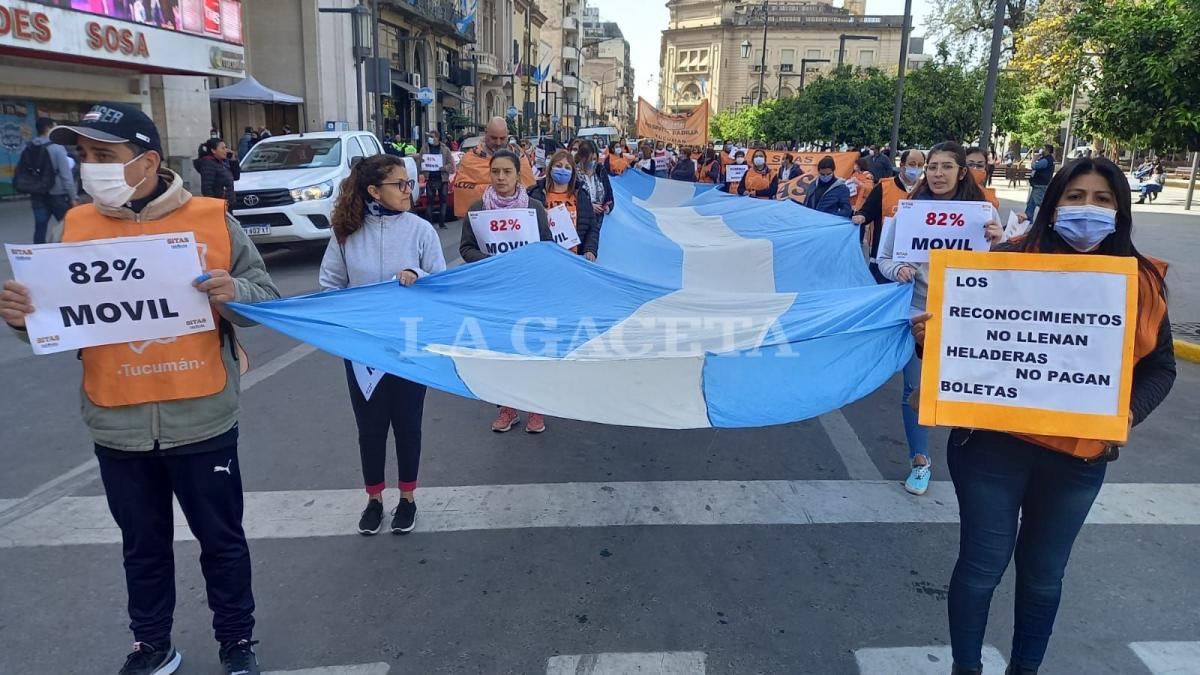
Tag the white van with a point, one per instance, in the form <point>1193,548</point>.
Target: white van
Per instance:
<point>289,183</point>
<point>601,136</point>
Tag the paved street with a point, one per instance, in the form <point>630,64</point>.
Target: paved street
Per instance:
<point>588,549</point>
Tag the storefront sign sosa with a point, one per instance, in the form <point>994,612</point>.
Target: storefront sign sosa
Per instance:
<point>28,25</point>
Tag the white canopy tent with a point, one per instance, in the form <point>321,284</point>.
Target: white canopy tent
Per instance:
<point>250,90</point>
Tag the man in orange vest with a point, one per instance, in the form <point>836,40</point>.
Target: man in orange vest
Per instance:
<point>161,431</point>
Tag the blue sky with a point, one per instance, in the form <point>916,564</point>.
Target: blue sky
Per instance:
<point>642,23</point>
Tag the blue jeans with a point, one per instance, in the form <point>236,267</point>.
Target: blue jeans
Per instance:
<point>917,435</point>
<point>999,478</point>
<point>45,206</point>
<point>1036,194</point>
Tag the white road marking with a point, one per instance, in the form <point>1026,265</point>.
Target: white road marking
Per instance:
<point>1169,658</point>
<point>327,513</point>
<point>614,663</point>
<point>919,660</point>
<point>362,669</point>
<point>66,483</point>
<point>849,447</point>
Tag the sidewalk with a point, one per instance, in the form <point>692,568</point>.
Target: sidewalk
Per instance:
<point>1170,200</point>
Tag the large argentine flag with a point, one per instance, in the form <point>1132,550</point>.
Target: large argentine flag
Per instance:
<point>704,310</point>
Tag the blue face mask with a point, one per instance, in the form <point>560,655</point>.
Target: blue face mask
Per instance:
<point>1084,227</point>
<point>912,173</point>
<point>825,179</point>
<point>560,175</point>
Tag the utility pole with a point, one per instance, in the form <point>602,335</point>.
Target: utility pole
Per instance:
<point>378,98</point>
<point>762,67</point>
<point>900,79</point>
<point>528,60</point>
<point>989,91</point>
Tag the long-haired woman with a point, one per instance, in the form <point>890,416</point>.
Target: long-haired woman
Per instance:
<point>946,177</point>
<point>376,238</point>
<point>1030,495</point>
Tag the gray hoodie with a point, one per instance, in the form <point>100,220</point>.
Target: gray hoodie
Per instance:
<point>382,248</point>
<point>171,424</point>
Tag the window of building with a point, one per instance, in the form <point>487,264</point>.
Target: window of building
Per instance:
<point>866,57</point>
<point>812,54</point>
<point>787,60</point>
<point>756,65</point>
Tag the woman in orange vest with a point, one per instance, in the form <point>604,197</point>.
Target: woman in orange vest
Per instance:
<point>977,164</point>
<point>1051,482</point>
<point>616,162</point>
<point>882,202</point>
<point>759,181</point>
<point>561,187</point>
<point>863,181</point>
<point>710,168</point>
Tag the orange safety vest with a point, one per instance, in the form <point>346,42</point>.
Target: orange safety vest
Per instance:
<point>617,165</point>
<point>188,366</point>
<point>1152,307</point>
<point>756,181</point>
<point>990,193</point>
<point>891,197</point>
<point>866,183</point>
<point>567,198</point>
<point>703,176</point>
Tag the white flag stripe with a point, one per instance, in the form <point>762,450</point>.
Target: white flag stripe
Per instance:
<point>1169,658</point>
<point>648,663</point>
<point>933,660</point>
<point>325,513</point>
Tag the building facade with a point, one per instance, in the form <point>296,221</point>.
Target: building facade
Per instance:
<point>563,35</point>
<point>57,62</point>
<point>701,54</point>
<point>610,74</point>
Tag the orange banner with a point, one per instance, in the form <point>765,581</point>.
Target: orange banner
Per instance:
<point>688,129</point>
<point>472,178</point>
<point>794,189</point>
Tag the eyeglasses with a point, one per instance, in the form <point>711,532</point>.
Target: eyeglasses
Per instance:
<point>976,165</point>
<point>404,185</point>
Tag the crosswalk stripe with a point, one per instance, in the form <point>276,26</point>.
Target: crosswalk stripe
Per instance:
<point>362,669</point>
<point>933,660</point>
<point>849,447</point>
<point>324,513</point>
<point>613,663</point>
<point>1169,658</point>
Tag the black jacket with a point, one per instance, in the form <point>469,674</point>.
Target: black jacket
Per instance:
<point>882,167</point>
<point>585,219</point>
<point>217,177</point>
<point>468,245</point>
<point>604,180</point>
<point>685,169</point>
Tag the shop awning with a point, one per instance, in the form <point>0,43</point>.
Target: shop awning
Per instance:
<point>250,90</point>
<point>447,92</point>
<point>399,82</point>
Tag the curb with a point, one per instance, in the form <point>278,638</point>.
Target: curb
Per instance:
<point>1188,351</point>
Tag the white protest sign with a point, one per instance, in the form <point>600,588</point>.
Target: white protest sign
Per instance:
<point>1014,227</point>
<point>502,230</point>
<point>852,186</point>
<point>368,378</point>
<point>431,162</point>
<point>108,291</point>
<point>539,156</point>
<point>1054,341</point>
<point>932,224</point>
<point>734,172</point>
<point>562,226</point>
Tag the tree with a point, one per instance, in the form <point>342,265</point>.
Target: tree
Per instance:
<point>942,101</point>
<point>966,25</point>
<point>1142,73</point>
<point>1039,117</point>
<point>1046,52</point>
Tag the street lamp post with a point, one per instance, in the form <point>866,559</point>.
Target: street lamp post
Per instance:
<point>842,44</point>
<point>762,66</point>
<point>804,68</point>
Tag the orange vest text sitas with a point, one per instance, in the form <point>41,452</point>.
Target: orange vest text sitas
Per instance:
<point>188,366</point>
<point>891,197</point>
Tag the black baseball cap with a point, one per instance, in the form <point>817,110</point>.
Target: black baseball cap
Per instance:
<point>112,123</point>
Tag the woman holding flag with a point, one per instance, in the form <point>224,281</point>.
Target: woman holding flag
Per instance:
<point>505,192</point>
<point>375,238</point>
<point>946,177</point>
<point>1031,494</point>
<point>758,181</point>
<point>561,187</point>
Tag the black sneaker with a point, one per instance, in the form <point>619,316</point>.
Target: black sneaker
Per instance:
<point>372,518</point>
<point>238,658</point>
<point>146,659</point>
<point>404,517</point>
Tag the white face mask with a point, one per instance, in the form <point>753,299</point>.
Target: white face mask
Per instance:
<point>106,183</point>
